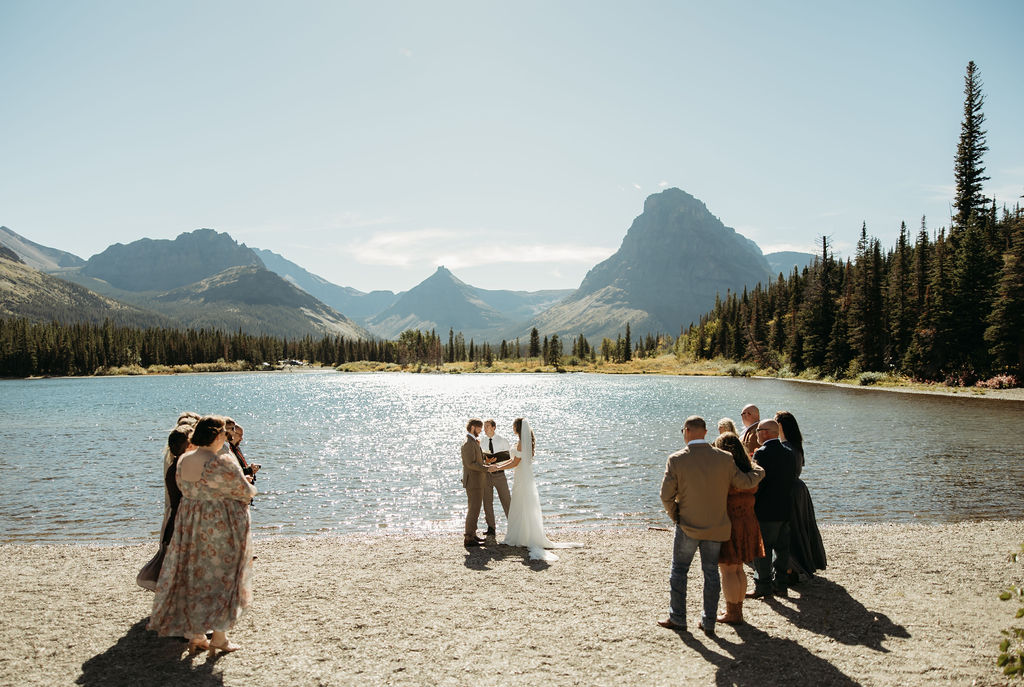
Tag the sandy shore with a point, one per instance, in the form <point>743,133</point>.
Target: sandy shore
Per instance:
<point>899,605</point>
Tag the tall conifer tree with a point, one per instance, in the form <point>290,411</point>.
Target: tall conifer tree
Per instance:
<point>968,171</point>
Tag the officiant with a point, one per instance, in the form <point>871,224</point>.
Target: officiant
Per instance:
<point>496,449</point>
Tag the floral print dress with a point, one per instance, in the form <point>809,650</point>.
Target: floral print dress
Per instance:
<point>205,582</point>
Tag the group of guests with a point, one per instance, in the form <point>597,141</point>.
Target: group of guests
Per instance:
<point>202,571</point>
<point>739,500</point>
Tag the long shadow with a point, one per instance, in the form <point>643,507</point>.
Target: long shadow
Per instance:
<point>142,658</point>
<point>826,608</point>
<point>480,558</point>
<point>759,659</point>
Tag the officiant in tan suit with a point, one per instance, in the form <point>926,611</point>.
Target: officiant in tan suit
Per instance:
<point>474,479</point>
<point>694,492</point>
<point>495,445</point>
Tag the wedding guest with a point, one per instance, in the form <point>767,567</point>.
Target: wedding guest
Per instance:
<point>773,504</point>
<point>694,492</point>
<point>177,444</point>
<point>491,444</point>
<point>229,432</point>
<point>806,550</point>
<point>474,479</point>
<point>744,543</point>
<point>234,443</point>
<point>188,418</point>
<point>205,583</point>
<point>726,425</point>
<point>750,416</point>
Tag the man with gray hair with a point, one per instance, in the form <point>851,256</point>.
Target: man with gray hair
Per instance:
<point>773,505</point>
<point>694,491</point>
<point>750,416</point>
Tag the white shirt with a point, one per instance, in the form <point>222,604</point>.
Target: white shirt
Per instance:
<point>500,444</point>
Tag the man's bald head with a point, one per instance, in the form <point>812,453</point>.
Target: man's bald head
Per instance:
<point>750,415</point>
<point>767,429</point>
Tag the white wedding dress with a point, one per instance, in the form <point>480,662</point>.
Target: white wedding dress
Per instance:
<point>525,521</point>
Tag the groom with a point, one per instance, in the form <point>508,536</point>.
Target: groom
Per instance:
<point>474,479</point>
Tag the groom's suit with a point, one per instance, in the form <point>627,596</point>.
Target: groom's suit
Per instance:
<point>474,479</point>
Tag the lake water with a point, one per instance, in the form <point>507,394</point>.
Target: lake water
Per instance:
<point>341,453</point>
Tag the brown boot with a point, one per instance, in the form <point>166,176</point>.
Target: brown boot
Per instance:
<point>733,614</point>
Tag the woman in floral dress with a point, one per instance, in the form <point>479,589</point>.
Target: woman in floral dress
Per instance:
<point>205,581</point>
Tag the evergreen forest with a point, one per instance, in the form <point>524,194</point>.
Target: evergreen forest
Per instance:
<point>946,307</point>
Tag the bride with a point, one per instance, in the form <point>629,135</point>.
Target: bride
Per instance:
<point>525,522</point>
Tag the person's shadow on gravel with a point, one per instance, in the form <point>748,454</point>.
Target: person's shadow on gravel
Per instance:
<point>759,659</point>
<point>826,608</point>
<point>140,657</point>
<point>480,558</point>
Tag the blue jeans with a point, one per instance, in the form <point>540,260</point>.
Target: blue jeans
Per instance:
<point>775,535</point>
<point>683,549</point>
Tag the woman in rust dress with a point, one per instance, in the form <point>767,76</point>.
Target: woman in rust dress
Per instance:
<point>745,543</point>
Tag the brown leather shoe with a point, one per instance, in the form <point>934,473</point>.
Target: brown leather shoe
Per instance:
<point>669,625</point>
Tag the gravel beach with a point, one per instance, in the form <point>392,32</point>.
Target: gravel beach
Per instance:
<point>899,605</point>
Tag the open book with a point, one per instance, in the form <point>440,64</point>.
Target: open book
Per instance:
<point>502,458</point>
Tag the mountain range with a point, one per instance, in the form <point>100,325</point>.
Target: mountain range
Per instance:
<point>674,259</point>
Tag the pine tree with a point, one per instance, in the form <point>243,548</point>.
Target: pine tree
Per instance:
<point>968,171</point>
<point>534,350</point>
<point>627,352</point>
<point>1005,332</point>
<point>897,283</point>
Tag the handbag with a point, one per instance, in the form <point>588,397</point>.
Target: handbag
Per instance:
<point>150,572</point>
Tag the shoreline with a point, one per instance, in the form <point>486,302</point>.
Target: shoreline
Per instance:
<point>1013,394</point>
<point>906,604</point>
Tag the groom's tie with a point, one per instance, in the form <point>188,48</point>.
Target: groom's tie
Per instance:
<point>490,445</point>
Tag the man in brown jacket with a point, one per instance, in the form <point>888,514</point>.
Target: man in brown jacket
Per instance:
<point>474,479</point>
<point>694,492</point>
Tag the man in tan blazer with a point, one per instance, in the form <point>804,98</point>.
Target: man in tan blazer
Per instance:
<point>694,492</point>
<point>474,479</point>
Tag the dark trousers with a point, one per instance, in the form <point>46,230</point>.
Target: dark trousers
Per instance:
<point>775,535</point>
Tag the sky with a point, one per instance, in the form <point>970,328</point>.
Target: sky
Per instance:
<point>513,143</point>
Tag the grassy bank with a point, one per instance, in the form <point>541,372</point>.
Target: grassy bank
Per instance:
<point>669,364</point>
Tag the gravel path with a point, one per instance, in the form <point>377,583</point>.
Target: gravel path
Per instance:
<point>899,605</point>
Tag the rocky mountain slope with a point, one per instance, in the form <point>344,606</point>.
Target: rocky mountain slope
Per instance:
<point>675,258</point>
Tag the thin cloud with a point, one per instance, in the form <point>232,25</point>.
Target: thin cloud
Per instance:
<point>637,187</point>
<point>662,184</point>
<point>449,248</point>
<point>401,249</point>
<point>405,52</point>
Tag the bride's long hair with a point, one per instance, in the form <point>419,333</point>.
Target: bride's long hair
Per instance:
<point>517,427</point>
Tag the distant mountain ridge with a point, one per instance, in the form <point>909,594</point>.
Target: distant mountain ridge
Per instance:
<point>785,261</point>
<point>34,295</point>
<point>443,302</point>
<point>440,302</point>
<point>675,258</point>
<point>352,302</point>
<point>162,264</point>
<point>40,257</point>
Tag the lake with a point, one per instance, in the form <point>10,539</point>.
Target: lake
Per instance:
<point>358,453</point>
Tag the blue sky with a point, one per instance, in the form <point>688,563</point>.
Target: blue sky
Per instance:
<point>512,142</point>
